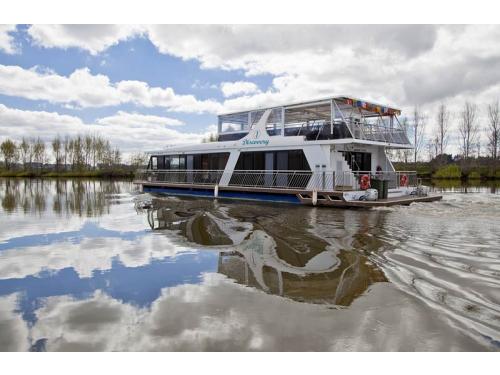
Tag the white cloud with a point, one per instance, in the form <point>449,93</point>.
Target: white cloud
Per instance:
<point>220,315</point>
<point>398,64</point>
<point>84,89</point>
<point>87,256</point>
<point>137,120</point>
<point>379,62</point>
<point>93,38</point>
<point>16,123</point>
<point>14,329</point>
<point>240,87</point>
<point>401,65</point>
<point>407,64</point>
<point>7,42</point>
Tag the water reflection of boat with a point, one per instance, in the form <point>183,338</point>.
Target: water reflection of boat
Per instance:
<point>296,264</point>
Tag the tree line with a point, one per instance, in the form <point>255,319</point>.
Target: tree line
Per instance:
<point>469,123</point>
<point>81,152</point>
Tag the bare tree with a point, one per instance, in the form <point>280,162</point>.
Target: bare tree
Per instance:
<point>477,145</point>
<point>443,117</point>
<point>95,145</point>
<point>66,151</point>
<point>31,152</point>
<point>418,132</point>
<point>138,160</point>
<point>24,150</point>
<point>468,129</point>
<point>39,152</point>
<point>57,150</point>
<point>77,153</point>
<point>87,150</point>
<point>433,146</point>
<point>493,129</point>
<point>8,149</point>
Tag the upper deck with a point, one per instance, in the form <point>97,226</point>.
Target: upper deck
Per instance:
<point>325,119</point>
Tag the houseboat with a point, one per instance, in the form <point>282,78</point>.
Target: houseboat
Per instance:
<point>327,152</point>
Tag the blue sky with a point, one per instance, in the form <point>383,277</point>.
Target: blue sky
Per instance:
<point>145,87</point>
<point>134,59</point>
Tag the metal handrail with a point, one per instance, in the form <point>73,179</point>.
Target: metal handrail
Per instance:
<point>279,179</point>
<point>352,178</point>
<point>377,132</point>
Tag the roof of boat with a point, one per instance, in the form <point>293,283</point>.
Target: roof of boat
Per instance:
<point>348,99</point>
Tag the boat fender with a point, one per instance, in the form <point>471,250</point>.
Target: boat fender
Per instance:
<point>365,182</point>
<point>315,197</point>
<point>216,191</point>
<point>371,194</point>
<point>403,181</point>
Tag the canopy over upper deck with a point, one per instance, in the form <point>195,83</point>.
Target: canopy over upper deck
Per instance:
<point>330,118</point>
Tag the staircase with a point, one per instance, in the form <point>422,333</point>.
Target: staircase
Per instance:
<point>344,178</point>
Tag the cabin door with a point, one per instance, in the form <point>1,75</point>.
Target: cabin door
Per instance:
<point>282,165</point>
<point>269,167</point>
<point>189,167</point>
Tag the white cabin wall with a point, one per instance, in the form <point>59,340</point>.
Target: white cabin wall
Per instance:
<point>317,156</point>
<point>384,160</point>
<point>230,165</point>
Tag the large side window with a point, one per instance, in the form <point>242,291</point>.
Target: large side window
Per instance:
<point>174,162</point>
<point>214,161</point>
<point>154,162</point>
<point>161,162</point>
<point>182,162</point>
<point>293,160</point>
<point>297,161</point>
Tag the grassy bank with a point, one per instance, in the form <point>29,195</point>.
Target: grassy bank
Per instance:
<point>104,174</point>
<point>453,171</point>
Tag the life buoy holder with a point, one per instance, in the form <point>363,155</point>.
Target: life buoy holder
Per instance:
<point>403,181</point>
<point>365,182</point>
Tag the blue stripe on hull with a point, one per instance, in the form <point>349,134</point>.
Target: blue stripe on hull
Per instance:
<point>209,193</point>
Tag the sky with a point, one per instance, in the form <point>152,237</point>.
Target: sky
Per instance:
<point>146,87</point>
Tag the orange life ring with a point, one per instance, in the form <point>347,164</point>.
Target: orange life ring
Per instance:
<point>403,181</point>
<point>365,182</point>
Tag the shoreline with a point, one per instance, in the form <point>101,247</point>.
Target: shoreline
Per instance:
<point>69,174</point>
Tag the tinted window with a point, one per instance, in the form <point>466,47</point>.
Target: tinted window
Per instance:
<point>174,162</point>
<point>281,160</point>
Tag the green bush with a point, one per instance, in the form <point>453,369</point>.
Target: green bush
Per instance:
<point>105,174</point>
<point>474,175</point>
<point>448,171</point>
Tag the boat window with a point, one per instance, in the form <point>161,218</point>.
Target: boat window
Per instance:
<point>215,161</point>
<point>297,161</point>
<point>280,160</point>
<point>182,162</point>
<point>236,122</point>
<point>154,162</point>
<point>274,122</point>
<point>174,161</point>
<point>161,162</point>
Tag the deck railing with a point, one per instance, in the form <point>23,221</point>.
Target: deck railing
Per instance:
<point>283,180</point>
<point>396,179</point>
<point>379,133</point>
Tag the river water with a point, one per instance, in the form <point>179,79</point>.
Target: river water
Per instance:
<point>95,265</point>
